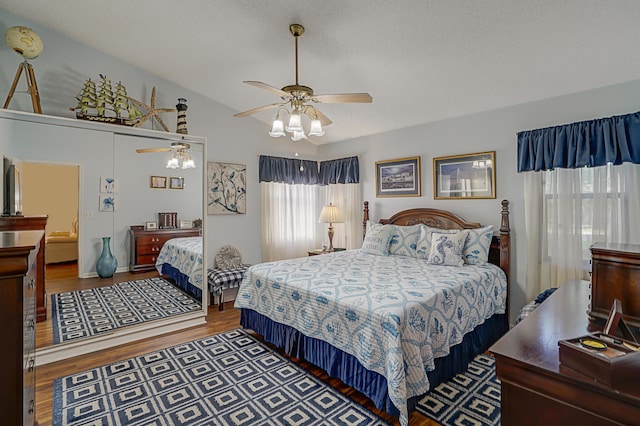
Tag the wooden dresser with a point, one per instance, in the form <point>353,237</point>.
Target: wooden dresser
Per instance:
<point>32,223</point>
<point>18,273</point>
<point>615,274</point>
<point>537,389</point>
<point>145,245</point>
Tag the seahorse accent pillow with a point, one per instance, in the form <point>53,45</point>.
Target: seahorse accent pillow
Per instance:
<point>404,239</point>
<point>446,249</point>
<point>476,249</point>
<point>376,240</point>
<point>423,245</point>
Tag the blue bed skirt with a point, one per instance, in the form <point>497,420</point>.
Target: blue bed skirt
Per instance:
<point>181,280</point>
<point>347,368</point>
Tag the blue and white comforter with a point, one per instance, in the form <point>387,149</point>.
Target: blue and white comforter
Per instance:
<point>184,254</point>
<point>395,314</point>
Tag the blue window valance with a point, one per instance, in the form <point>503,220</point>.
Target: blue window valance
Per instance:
<point>287,170</point>
<point>590,143</point>
<point>342,170</point>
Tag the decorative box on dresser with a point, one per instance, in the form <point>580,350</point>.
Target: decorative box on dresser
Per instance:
<point>32,223</point>
<point>615,274</point>
<point>145,245</point>
<point>18,271</point>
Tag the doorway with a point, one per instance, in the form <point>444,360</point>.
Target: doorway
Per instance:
<point>53,190</point>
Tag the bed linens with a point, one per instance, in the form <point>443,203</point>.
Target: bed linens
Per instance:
<point>184,254</point>
<point>395,314</point>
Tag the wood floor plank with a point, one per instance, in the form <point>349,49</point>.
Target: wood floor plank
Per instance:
<point>217,322</point>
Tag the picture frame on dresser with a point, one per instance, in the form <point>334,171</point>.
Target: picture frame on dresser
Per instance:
<point>151,225</point>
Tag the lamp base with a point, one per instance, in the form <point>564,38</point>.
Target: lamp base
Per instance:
<point>330,238</point>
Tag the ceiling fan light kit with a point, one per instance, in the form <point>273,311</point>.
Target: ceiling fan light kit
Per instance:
<point>180,158</point>
<point>298,98</point>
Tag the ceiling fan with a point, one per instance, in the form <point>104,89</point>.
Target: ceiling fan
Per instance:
<point>300,99</point>
<point>180,157</point>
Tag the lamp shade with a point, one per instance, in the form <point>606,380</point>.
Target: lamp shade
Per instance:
<point>330,214</point>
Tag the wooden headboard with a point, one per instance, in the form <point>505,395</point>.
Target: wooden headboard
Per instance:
<point>499,252</point>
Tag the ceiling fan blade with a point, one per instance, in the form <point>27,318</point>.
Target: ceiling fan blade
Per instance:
<point>254,110</point>
<point>145,150</point>
<point>343,98</point>
<point>268,88</point>
<point>324,120</point>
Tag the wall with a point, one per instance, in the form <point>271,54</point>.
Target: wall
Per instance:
<point>44,184</point>
<point>61,71</point>
<point>487,131</point>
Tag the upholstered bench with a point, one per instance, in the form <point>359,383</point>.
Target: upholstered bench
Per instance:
<point>220,280</point>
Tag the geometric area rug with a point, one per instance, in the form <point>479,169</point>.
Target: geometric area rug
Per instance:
<point>472,398</point>
<point>229,378</point>
<point>83,313</point>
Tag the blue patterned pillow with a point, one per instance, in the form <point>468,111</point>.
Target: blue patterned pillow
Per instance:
<point>446,249</point>
<point>376,240</point>
<point>423,245</point>
<point>476,249</point>
<point>404,239</point>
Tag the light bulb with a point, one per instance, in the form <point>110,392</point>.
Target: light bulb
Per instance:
<point>277,129</point>
<point>316,128</point>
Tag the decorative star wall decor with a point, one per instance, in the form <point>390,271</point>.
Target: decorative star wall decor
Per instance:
<point>152,111</point>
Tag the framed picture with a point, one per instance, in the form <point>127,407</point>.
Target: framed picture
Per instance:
<point>226,188</point>
<point>158,182</point>
<point>185,224</point>
<point>151,225</point>
<point>398,178</point>
<point>465,176</point>
<point>176,183</point>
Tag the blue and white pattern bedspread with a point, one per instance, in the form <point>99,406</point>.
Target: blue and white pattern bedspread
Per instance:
<point>184,254</point>
<point>395,314</point>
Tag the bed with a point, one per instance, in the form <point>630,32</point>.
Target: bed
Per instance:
<point>390,326</point>
<point>181,260</point>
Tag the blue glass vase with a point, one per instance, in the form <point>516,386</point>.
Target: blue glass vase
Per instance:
<point>107,263</point>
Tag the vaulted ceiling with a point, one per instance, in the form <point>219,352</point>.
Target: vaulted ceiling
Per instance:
<point>421,60</point>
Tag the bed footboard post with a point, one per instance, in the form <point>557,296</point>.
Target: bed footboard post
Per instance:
<point>505,246</point>
<point>365,219</point>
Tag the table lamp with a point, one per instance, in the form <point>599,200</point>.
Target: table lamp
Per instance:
<point>330,214</point>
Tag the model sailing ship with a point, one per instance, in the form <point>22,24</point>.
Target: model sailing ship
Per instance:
<point>105,105</point>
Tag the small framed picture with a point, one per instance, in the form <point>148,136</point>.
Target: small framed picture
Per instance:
<point>151,225</point>
<point>465,176</point>
<point>176,183</point>
<point>158,182</point>
<point>398,178</point>
<point>185,224</point>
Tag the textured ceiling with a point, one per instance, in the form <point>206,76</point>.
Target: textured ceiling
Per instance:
<point>421,60</point>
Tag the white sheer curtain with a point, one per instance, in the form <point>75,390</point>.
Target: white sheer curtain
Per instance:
<point>567,210</point>
<point>289,220</point>
<point>348,198</point>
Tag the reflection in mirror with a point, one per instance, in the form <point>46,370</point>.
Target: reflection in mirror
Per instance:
<point>115,199</point>
<point>81,308</point>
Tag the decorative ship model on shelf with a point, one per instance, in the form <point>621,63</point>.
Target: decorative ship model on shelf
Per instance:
<point>105,105</point>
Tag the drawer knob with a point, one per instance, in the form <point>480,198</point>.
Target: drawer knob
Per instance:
<point>32,324</point>
<point>32,364</point>
<point>31,283</point>
<point>31,407</point>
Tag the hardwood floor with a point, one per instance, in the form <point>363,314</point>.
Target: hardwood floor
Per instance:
<point>65,279</point>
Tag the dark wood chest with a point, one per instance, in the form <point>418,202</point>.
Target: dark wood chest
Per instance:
<point>146,244</point>
<point>615,274</point>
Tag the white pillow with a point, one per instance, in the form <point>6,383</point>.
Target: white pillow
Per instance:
<point>476,249</point>
<point>423,245</point>
<point>404,239</point>
<point>376,240</point>
<point>446,249</point>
